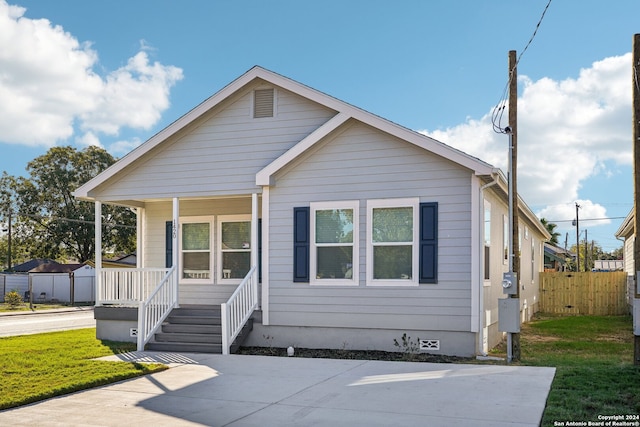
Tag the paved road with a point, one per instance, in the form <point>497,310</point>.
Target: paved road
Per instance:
<point>38,322</point>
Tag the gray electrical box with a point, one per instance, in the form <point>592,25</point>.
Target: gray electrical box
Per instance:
<point>509,315</point>
<point>509,283</point>
<point>636,316</point>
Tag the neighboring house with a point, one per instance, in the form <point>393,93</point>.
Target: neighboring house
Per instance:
<point>51,281</point>
<point>358,230</point>
<point>608,265</point>
<point>65,283</point>
<point>30,265</point>
<point>556,258</point>
<point>129,260</point>
<point>626,233</point>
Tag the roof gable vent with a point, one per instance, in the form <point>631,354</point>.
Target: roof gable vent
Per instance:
<point>263,103</point>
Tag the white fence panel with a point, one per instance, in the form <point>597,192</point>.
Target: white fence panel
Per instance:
<point>57,287</point>
<point>14,281</point>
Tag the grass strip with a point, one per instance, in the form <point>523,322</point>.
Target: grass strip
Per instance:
<point>37,367</point>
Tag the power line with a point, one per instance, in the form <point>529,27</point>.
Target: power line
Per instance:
<point>79,221</point>
<point>586,219</point>
<point>498,111</point>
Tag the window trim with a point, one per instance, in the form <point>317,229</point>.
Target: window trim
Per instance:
<point>220,272</point>
<point>210,219</point>
<point>313,252</point>
<point>486,233</point>
<point>413,203</point>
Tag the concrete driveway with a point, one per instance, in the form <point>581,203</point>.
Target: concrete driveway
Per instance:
<point>241,390</point>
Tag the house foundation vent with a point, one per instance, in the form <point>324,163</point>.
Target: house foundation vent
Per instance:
<point>429,345</point>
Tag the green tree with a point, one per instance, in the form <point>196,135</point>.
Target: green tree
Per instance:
<point>57,224</point>
<point>551,228</point>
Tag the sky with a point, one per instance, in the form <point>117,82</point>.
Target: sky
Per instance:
<point>114,73</point>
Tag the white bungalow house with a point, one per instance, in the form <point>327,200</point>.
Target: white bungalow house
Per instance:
<point>329,226</point>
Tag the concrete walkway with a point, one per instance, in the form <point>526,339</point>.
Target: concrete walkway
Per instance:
<point>241,390</point>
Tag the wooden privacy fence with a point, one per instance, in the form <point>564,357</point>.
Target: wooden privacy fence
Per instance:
<point>597,294</point>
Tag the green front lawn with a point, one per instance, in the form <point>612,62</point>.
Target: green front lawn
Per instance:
<point>36,367</point>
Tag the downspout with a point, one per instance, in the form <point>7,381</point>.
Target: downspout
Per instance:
<point>481,315</point>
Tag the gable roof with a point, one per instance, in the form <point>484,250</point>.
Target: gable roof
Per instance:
<point>626,229</point>
<point>25,267</point>
<point>56,268</point>
<point>344,111</point>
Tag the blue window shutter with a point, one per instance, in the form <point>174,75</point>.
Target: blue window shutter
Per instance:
<point>168,244</point>
<point>301,242</point>
<point>429,242</point>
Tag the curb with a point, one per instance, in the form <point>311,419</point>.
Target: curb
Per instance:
<point>49,311</point>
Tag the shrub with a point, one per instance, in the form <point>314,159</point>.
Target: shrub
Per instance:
<point>13,298</point>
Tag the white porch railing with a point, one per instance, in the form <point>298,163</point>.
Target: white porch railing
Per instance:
<point>237,310</point>
<point>128,286</point>
<point>155,309</point>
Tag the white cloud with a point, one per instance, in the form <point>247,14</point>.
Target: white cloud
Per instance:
<point>120,148</point>
<point>589,214</point>
<point>48,85</point>
<point>568,131</point>
<point>88,139</point>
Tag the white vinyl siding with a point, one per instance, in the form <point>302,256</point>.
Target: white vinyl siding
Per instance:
<point>220,153</point>
<point>360,163</point>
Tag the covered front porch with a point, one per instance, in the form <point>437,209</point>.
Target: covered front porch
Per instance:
<point>205,253</point>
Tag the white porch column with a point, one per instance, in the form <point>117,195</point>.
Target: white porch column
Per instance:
<point>140,233</point>
<point>254,229</point>
<point>175,252</point>
<point>265,256</point>
<point>98,252</point>
<point>254,241</point>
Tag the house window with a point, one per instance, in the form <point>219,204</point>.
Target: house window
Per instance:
<point>533,259</point>
<point>392,236</point>
<point>196,249</point>
<point>263,103</point>
<point>487,240</point>
<point>234,241</point>
<point>334,234</point>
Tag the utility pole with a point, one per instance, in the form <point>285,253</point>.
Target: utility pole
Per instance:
<point>635,82</point>
<point>577,238</point>
<point>515,241</point>
<point>586,250</point>
<point>9,266</point>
